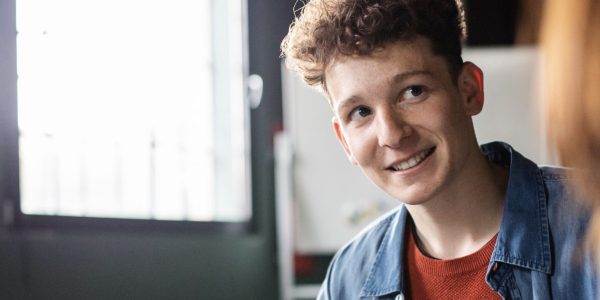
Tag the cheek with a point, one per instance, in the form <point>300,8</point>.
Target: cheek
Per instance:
<point>442,117</point>
<point>362,147</point>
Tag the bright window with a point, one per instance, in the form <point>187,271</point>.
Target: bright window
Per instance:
<point>133,109</point>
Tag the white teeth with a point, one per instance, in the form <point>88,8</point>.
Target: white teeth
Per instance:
<point>404,165</point>
<point>409,163</point>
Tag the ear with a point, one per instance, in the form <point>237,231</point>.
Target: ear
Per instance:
<point>340,136</point>
<point>470,86</point>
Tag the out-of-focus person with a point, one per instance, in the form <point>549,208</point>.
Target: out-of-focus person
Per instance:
<point>570,41</point>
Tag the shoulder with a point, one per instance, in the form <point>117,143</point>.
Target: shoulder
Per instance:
<point>559,191</point>
<point>352,264</point>
<point>554,173</point>
<point>568,219</point>
<point>565,207</point>
<point>557,183</point>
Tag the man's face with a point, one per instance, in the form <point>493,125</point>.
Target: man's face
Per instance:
<point>404,120</point>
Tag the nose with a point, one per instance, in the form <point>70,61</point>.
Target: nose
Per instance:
<point>391,128</point>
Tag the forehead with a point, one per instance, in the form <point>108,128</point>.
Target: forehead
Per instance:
<point>374,72</point>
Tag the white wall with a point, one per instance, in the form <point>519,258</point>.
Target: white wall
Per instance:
<point>513,110</point>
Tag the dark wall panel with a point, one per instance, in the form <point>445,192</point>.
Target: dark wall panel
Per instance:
<point>102,264</point>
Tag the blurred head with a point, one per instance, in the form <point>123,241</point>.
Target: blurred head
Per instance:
<point>327,29</point>
<point>571,49</point>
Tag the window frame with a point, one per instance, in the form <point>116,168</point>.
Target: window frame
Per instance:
<point>11,214</point>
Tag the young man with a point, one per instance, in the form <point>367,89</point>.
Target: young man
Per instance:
<point>476,222</point>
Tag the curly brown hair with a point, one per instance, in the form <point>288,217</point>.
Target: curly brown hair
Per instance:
<point>327,28</point>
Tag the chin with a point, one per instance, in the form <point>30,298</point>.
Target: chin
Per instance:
<point>414,202</point>
<point>411,198</point>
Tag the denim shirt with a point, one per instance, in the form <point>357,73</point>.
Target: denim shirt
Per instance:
<point>538,253</point>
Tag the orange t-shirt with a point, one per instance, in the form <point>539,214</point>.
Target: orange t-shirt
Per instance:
<point>460,278</point>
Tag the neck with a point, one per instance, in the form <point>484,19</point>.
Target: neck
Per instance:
<point>466,216</point>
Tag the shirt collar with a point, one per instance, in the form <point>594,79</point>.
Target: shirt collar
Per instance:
<point>386,275</point>
<point>523,240</point>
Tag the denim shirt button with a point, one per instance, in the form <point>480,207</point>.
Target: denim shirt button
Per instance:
<point>400,297</point>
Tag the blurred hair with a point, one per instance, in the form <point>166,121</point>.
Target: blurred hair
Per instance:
<point>571,49</point>
<point>327,28</point>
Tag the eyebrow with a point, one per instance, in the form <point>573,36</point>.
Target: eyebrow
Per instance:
<point>397,78</point>
<point>406,75</point>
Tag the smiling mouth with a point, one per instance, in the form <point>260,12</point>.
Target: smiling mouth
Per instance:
<point>411,162</point>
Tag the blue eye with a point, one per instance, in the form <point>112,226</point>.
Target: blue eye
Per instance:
<point>361,111</point>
